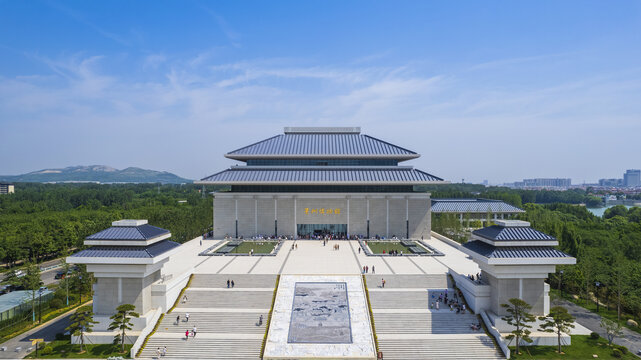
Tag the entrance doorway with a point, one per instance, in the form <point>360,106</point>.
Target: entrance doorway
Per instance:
<point>316,231</point>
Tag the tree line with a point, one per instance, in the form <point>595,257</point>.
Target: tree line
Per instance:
<point>40,221</point>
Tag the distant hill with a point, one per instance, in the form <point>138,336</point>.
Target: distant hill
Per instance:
<point>97,173</point>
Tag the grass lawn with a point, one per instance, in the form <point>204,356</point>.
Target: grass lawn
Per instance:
<point>377,247</point>
<point>260,247</point>
<point>591,305</point>
<point>583,347</point>
<point>64,350</point>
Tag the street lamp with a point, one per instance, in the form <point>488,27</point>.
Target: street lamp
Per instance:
<point>40,304</point>
<point>598,285</point>
<point>561,282</point>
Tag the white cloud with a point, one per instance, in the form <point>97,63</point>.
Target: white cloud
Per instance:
<point>185,120</point>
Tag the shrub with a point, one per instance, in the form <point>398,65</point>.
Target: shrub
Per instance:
<point>47,350</point>
<point>623,349</point>
<point>594,336</point>
<point>617,353</point>
<point>60,336</point>
<point>56,303</point>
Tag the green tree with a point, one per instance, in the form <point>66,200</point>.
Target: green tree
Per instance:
<point>620,276</point>
<point>617,210</point>
<point>81,322</point>
<point>31,281</point>
<point>519,317</point>
<point>558,321</point>
<point>612,329</point>
<point>121,321</point>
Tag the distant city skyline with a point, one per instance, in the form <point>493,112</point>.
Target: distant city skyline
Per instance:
<point>492,90</point>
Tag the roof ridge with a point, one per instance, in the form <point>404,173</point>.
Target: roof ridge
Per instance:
<point>390,144</point>
<point>254,144</point>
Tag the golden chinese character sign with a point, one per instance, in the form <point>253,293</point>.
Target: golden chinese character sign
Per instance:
<point>323,211</point>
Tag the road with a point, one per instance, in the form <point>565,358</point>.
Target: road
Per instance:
<point>592,321</point>
<point>47,277</point>
<point>46,331</point>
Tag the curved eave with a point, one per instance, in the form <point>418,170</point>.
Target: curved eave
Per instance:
<point>245,157</point>
<point>201,182</point>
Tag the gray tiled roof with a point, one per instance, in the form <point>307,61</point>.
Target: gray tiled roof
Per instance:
<point>150,251</point>
<point>142,232</point>
<point>472,206</point>
<point>499,233</point>
<point>322,144</point>
<point>514,252</point>
<point>258,175</point>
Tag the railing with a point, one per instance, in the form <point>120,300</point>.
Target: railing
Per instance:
<point>50,267</point>
<point>142,338</point>
<point>496,334</point>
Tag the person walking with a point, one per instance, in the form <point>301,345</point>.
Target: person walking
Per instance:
<point>187,317</point>
<point>177,319</point>
<point>359,249</point>
<point>158,353</point>
<point>164,351</point>
<point>382,283</point>
<point>227,283</point>
<point>232,283</point>
<point>373,270</point>
<point>193,331</point>
<point>186,334</point>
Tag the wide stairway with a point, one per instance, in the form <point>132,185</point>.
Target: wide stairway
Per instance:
<point>226,319</point>
<point>408,329</point>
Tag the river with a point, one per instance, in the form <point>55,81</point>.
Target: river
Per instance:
<point>600,211</point>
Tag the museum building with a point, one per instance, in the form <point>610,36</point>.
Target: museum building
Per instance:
<point>317,181</point>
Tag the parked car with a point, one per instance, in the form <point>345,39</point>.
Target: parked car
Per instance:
<point>19,273</point>
<point>60,275</point>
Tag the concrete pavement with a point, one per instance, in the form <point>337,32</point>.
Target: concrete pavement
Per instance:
<point>592,321</point>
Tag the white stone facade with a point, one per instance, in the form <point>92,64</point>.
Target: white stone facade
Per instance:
<point>404,215</point>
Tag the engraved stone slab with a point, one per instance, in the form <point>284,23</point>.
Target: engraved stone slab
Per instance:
<point>320,314</point>
<point>286,322</point>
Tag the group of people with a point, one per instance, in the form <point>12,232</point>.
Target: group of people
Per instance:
<point>178,318</point>
<point>337,246</point>
<point>230,282</point>
<point>294,246</point>
<point>193,333</point>
<point>394,253</point>
<point>161,351</point>
<point>453,302</point>
<point>366,269</point>
<point>474,278</point>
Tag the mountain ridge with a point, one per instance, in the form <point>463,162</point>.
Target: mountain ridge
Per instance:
<point>97,173</point>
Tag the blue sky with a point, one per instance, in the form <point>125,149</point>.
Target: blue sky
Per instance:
<point>483,90</point>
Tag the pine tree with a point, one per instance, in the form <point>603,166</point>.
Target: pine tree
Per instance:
<point>81,323</point>
<point>558,321</point>
<point>122,321</point>
<point>519,317</point>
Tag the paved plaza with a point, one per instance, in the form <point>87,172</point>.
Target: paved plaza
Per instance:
<point>311,257</point>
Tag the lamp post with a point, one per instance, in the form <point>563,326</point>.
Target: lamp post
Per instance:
<point>598,285</point>
<point>40,305</point>
<point>561,282</point>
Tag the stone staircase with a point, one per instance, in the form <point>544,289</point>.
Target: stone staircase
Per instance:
<point>418,281</point>
<point>226,319</point>
<point>407,329</point>
<point>425,323</point>
<point>477,347</point>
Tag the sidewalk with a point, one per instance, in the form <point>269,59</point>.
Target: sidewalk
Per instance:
<point>592,321</point>
<point>46,331</point>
